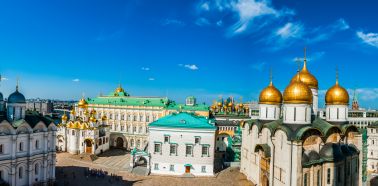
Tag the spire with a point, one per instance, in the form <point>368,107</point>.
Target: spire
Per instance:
<point>337,76</point>
<point>17,84</point>
<point>271,77</point>
<point>299,64</point>
<point>305,60</point>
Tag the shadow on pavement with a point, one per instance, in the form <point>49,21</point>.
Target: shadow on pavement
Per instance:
<point>81,176</point>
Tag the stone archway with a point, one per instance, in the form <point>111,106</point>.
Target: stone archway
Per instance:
<point>142,161</point>
<point>120,143</point>
<point>88,146</point>
<point>60,143</point>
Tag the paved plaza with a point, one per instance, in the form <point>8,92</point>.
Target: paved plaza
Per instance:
<point>71,170</point>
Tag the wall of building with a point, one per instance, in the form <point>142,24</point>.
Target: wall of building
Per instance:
<point>182,137</point>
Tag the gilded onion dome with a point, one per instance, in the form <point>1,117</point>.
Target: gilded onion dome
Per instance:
<point>73,112</point>
<point>119,89</point>
<point>104,118</point>
<point>86,112</point>
<point>64,117</point>
<point>82,103</point>
<point>297,92</point>
<point>306,77</point>
<point>270,95</point>
<point>337,95</point>
<point>92,119</point>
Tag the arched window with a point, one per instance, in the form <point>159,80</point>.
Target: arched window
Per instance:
<point>36,144</point>
<point>36,169</point>
<point>138,144</point>
<point>21,146</point>
<point>20,172</point>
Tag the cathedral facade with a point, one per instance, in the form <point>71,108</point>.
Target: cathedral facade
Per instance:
<point>289,144</point>
<point>27,144</point>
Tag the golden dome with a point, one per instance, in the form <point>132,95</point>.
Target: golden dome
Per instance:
<point>306,77</point>
<point>270,95</point>
<point>93,111</point>
<point>73,112</point>
<point>82,103</point>
<point>297,92</point>
<point>86,112</point>
<point>104,118</point>
<point>119,89</point>
<point>64,117</point>
<point>92,119</point>
<point>337,95</point>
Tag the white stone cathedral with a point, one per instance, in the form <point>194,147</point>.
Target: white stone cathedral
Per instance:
<point>290,145</point>
<point>27,144</point>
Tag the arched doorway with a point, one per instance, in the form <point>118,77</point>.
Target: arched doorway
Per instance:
<point>141,162</point>
<point>119,143</point>
<point>263,151</point>
<point>265,181</point>
<point>88,146</point>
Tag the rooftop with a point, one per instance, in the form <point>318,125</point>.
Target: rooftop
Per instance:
<point>184,120</point>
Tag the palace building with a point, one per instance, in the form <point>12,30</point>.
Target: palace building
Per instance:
<point>27,144</point>
<point>290,144</point>
<point>127,118</point>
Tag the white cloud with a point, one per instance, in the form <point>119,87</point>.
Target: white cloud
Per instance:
<point>368,38</point>
<point>323,33</point>
<point>76,80</point>
<point>205,6</point>
<point>202,22</point>
<point>263,20</point>
<point>145,68</point>
<point>248,14</point>
<point>313,57</point>
<point>151,79</point>
<point>4,79</point>
<point>290,30</point>
<point>366,94</point>
<point>188,66</point>
<point>173,22</point>
<point>220,23</point>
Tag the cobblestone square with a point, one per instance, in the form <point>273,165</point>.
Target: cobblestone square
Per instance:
<point>71,171</point>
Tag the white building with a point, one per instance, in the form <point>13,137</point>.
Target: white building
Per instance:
<point>83,134</point>
<point>289,144</point>
<point>181,144</point>
<point>27,144</point>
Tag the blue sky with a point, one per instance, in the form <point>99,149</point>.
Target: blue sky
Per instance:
<point>60,49</point>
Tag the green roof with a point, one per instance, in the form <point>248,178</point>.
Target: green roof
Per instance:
<point>196,107</point>
<point>129,101</point>
<point>145,101</point>
<point>183,120</point>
